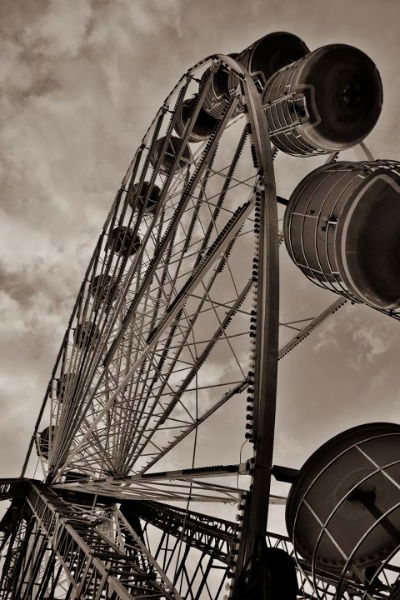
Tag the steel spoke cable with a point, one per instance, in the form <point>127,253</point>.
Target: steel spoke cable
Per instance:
<point>191,483</point>
<point>183,203</point>
<point>162,387</point>
<point>172,282</point>
<point>221,304</point>
<point>166,271</point>
<point>211,386</point>
<point>202,358</point>
<point>110,259</point>
<point>227,339</point>
<point>62,353</point>
<point>130,176</point>
<point>139,214</point>
<point>208,340</point>
<point>227,261</point>
<point>130,421</point>
<point>112,427</point>
<point>157,371</point>
<point>203,311</point>
<point>165,238</point>
<point>118,373</point>
<point>65,403</point>
<point>90,346</point>
<point>232,168</point>
<point>175,489</point>
<point>228,189</point>
<point>220,172</point>
<point>211,256</point>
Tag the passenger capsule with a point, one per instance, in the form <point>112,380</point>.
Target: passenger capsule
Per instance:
<point>327,101</point>
<point>342,229</point>
<point>124,241</point>
<point>203,126</point>
<point>261,59</point>
<point>85,334</point>
<point>343,511</point>
<point>170,154</point>
<point>138,201</point>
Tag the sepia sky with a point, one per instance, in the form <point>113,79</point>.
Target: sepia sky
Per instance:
<point>80,82</point>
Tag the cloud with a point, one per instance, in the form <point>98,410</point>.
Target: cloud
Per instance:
<point>61,31</point>
<point>372,343</point>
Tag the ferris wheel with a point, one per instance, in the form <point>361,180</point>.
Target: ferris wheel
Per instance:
<point>155,437</point>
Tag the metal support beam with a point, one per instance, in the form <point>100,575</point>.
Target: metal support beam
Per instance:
<point>93,564</point>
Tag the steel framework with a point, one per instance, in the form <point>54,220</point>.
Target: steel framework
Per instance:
<point>177,319</point>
